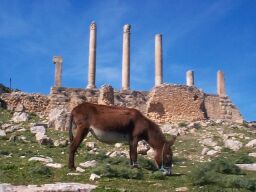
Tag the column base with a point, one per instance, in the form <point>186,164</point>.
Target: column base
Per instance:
<point>90,87</point>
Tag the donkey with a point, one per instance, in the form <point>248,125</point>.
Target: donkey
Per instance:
<point>111,124</point>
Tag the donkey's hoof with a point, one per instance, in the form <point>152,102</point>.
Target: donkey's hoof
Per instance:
<point>135,166</point>
<point>72,168</point>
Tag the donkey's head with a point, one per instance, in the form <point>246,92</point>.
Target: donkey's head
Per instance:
<point>164,157</point>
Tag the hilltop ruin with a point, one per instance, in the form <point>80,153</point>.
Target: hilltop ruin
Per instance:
<point>164,103</point>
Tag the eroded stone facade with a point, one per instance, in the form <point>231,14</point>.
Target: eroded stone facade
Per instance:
<point>176,103</point>
<point>165,103</point>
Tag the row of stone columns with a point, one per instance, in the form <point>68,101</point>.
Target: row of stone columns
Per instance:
<point>57,60</point>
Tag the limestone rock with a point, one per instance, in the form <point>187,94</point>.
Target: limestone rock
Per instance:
<point>58,119</point>
<point>90,145</point>
<point>94,177</point>
<point>60,187</point>
<point>60,143</point>
<point>204,151</point>
<point>38,129</point>
<point>247,167</point>
<point>74,174</point>
<point>217,148</point>
<point>54,165</point>
<point>118,154</point>
<point>5,126</point>
<point>20,117</point>
<point>87,164</point>
<point>79,169</point>
<point>151,153</point>
<point>2,133</point>
<point>42,159</point>
<point>252,154</point>
<point>143,147</point>
<point>233,144</point>
<point>12,129</point>
<point>209,142</point>
<point>181,189</point>
<point>118,145</point>
<point>19,108</point>
<point>212,153</point>
<point>252,143</point>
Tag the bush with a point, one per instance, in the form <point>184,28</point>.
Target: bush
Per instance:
<point>4,152</point>
<point>158,175</point>
<point>41,170</point>
<point>244,159</point>
<point>147,164</point>
<point>223,173</point>
<point>116,171</point>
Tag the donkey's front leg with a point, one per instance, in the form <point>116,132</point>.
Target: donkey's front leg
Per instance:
<point>133,152</point>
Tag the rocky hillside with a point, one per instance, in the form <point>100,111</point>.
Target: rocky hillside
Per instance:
<point>4,89</point>
<point>208,156</point>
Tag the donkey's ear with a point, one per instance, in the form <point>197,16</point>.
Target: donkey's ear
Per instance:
<point>172,141</point>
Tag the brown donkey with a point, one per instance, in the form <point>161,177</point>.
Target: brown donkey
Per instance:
<point>116,124</point>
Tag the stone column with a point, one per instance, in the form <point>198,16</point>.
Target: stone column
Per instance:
<point>126,58</point>
<point>57,60</point>
<point>190,78</point>
<point>158,60</point>
<point>92,56</point>
<point>221,84</point>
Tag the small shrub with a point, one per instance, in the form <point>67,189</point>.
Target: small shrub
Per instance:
<point>224,166</point>
<point>221,172</point>
<point>116,171</point>
<point>4,152</point>
<point>147,164</point>
<point>41,170</point>
<point>244,159</point>
<point>158,175</point>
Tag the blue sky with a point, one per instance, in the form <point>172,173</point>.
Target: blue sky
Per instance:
<point>204,36</point>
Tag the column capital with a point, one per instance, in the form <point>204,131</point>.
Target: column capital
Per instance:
<point>127,28</point>
<point>57,59</point>
<point>93,25</point>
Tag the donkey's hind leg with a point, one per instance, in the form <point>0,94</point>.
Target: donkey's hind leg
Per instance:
<point>82,131</point>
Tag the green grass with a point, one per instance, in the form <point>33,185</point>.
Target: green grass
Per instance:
<point>5,116</point>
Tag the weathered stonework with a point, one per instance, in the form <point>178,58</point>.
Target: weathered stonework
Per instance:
<point>176,103</point>
<point>106,96</point>
<point>32,103</point>
<point>221,108</point>
<point>165,103</point>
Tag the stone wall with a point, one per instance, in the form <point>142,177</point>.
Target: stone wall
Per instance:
<point>33,103</point>
<point>69,98</point>
<point>221,108</point>
<point>165,103</point>
<point>176,103</point>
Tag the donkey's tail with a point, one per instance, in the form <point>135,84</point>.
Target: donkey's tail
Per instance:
<point>71,136</point>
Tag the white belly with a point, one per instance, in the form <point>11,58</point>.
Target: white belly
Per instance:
<point>109,136</point>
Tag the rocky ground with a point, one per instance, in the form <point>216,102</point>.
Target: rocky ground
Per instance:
<point>33,157</point>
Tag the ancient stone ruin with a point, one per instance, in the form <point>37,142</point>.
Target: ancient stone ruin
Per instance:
<point>164,103</point>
